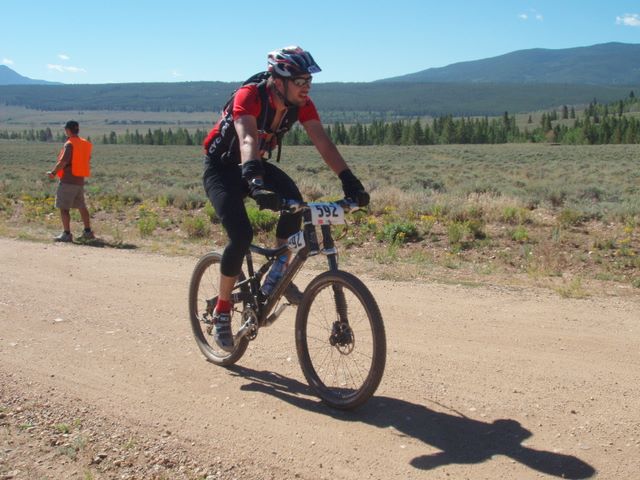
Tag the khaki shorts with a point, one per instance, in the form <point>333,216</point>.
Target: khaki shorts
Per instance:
<point>70,196</point>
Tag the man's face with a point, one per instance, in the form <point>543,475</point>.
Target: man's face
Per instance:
<point>298,89</point>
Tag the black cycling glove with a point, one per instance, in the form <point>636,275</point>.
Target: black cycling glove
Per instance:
<point>266,199</point>
<point>252,169</point>
<point>252,172</point>
<point>353,188</point>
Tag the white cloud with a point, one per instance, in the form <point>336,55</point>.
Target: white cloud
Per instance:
<point>175,73</point>
<point>7,61</point>
<point>532,15</point>
<point>629,20</point>
<point>63,69</point>
<point>63,56</point>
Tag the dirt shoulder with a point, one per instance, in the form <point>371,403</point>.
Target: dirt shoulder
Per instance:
<point>100,378</point>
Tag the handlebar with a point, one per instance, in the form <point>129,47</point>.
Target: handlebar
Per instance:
<point>294,206</point>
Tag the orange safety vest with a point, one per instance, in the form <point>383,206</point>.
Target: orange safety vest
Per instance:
<point>81,157</point>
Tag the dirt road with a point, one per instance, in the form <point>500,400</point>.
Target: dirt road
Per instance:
<point>100,378</point>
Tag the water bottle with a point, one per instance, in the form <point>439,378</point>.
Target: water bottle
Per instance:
<point>274,275</point>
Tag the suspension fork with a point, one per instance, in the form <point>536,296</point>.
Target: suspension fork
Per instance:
<point>329,248</point>
<point>341,303</point>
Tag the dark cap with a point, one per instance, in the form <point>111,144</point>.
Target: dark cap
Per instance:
<point>72,126</point>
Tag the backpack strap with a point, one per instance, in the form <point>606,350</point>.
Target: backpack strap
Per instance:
<point>260,80</point>
<point>264,100</point>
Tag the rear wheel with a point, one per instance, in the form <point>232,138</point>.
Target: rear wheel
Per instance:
<point>203,296</point>
<point>340,339</point>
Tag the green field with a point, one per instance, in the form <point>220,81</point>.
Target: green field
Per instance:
<point>560,215</point>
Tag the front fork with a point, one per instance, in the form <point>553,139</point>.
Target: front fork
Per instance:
<point>341,332</point>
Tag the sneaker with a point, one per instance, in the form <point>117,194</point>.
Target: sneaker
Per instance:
<point>64,237</point>
<point>293,294</point>
<point>87,235</point>
<point>222,334</point>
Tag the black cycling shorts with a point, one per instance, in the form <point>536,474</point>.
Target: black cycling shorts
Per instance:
<point>227,190</point>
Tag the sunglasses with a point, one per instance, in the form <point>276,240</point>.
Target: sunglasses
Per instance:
<point>302,81</point>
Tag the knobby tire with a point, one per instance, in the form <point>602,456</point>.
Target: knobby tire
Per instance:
<point>204,285</point>
<point>344,376</point>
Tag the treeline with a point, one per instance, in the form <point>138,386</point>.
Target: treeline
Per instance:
<point>156,137</point>
<point>442,130</point>
<point>609,129</point>
<point>599,124</point>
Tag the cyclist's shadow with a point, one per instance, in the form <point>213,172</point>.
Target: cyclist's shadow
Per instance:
<point>461,440</point>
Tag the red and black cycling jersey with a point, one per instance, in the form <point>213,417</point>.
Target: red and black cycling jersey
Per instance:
<point>253,99</point>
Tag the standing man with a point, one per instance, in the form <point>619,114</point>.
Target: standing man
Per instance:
<point>72,167</point>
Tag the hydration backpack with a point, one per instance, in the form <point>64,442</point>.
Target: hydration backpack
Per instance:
<point>260,80</point>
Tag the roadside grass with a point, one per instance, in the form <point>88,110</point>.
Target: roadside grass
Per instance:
<point>496,211</point>
<point>572,289</point>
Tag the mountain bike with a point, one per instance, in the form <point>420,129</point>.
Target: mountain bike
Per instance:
<point>339,331</point>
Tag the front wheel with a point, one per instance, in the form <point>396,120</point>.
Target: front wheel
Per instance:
<point>203,296</point>
<point>340,339</point>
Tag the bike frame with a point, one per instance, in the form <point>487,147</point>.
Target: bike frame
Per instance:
<point>251,285</point>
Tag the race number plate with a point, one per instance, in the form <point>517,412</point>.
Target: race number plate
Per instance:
<point>326,214</point>
<point>296,242</point>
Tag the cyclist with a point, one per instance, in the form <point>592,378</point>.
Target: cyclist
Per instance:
<point>236,164</point>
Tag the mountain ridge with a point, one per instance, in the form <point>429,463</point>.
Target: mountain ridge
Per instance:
<point>11,77</point>
<point>413,95</point>
<point>576,65</point>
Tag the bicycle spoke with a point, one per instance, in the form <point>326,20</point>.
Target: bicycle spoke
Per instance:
<point>203,294</point>
<point>340,339</point>
<point>335,368</point>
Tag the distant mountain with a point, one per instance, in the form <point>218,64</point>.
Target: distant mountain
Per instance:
<point>603,64</point>
<point>10,77</point>
<point>522,81</point>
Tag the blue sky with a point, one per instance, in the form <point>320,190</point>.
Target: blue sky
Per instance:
<point>159,41</point>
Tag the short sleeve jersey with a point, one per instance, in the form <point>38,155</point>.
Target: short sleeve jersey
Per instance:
<point>247,101</point>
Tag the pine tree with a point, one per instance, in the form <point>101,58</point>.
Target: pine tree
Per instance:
<point>417,134</point>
